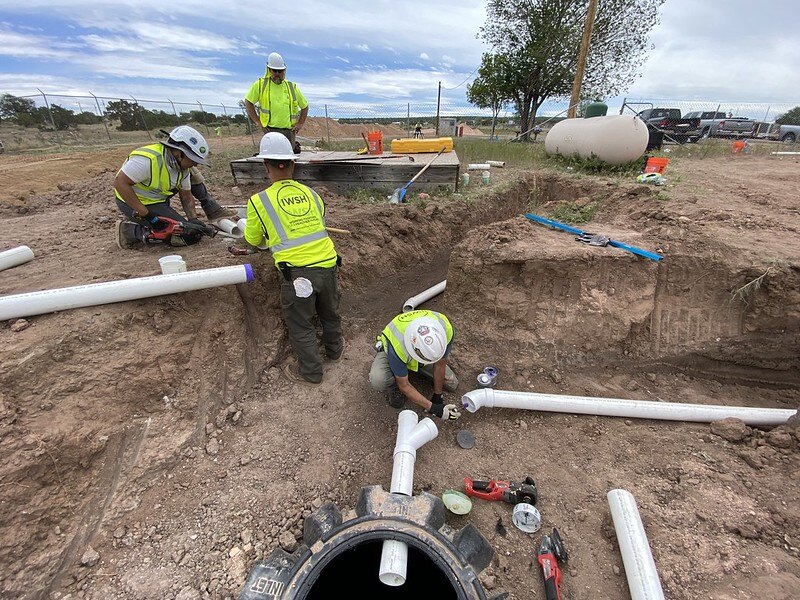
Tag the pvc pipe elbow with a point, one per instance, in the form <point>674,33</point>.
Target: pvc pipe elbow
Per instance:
<point>424,296</point>
<point>476,399</point>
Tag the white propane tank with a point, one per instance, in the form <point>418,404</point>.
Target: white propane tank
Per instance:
<point>616,139</point>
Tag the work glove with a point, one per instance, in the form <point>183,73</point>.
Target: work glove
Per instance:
<point>154,222</point>
<point>437,398</point>
<point>446,412</point>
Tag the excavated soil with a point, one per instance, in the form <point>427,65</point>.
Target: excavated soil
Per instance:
<point>153,449</point>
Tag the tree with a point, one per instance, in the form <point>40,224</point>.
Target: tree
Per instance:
<point>490,88</point>
<point>540,40</point>
<point>87,118</point>
<point>127,113</point>
<point>21,110</point>
<point>63,118</point>
<point>790,117</point>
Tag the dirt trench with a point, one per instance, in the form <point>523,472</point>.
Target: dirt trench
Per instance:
<point>161,433</point>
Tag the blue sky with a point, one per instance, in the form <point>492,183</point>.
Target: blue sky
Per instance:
<point>363,53</point>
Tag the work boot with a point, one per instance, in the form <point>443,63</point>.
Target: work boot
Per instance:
<point>293,374</point>
<point>210,206</point>
<point>127,235</point>
<point>396,398</point>
<point>336,357</point>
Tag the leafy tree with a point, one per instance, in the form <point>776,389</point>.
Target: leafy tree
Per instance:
<point>63,118</point>
<point>791,117</point>
<point>127,113</point>
<point>540,39</point>
<point>87,118</point>
<point>21,110</point>
<point>491,89</point>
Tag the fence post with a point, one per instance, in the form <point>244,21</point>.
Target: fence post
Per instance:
<point>438,104</point>
<point>227,120</point>
<point>141,116</point>
<point>248,123</point>
<point>203,115</point>
<point>174,112</point>
<point>328,125</point>
<point>52,120</point>
<point>408,119</point>
<point>102,115</point>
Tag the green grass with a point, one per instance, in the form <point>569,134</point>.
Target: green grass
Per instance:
<point>569,212</point>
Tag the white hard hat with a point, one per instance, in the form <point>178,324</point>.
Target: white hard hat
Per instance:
<point>425,340</point>
<point>189,141</point>
<point>275,62</point>
<point>275,146</point>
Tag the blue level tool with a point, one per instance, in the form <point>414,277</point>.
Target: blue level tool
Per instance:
<point>580,232</point>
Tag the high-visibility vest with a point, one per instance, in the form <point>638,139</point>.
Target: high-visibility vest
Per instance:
<point>264,99</point>
<point>394,333</point>
<point>158,188</point>
<point>292,217</point>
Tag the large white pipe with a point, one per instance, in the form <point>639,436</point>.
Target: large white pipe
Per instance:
<point>37,303</point>
<point>640,568</point>
<point>230,227</point>
<point>423,297</point>
<point>16,256</point>
<point>615,139</point>
<point>616,407</point>
<point>411,436</point>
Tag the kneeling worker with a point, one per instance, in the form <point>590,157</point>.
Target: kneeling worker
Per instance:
<point>151,176</point>
<point>416,340</point>
<point>289,218</point>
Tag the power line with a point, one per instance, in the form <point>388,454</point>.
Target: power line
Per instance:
<point>463,82</point>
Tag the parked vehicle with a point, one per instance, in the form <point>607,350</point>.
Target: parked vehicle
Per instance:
<point>717,124</point>
<point>789,133</point>
<point>671,124</point>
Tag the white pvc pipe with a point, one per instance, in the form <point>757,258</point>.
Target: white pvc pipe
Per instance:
<point>616,407</point>
<point>230,228</point>
<point>640,568</point>
<point>411,436</point>
<point>37,303</point>
<point>16,256</point>
<point>496,163</point>
<point>423,297</point>
<point>479,167</point>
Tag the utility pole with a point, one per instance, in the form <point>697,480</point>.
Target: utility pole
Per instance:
<point>587,36</point>
<point>438,104</point>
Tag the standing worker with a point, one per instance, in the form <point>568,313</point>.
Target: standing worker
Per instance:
<point>419,340</point>
<point>150,177</point>
<point>289,218</point>
<point>418,131</point>
<point>281,105</point>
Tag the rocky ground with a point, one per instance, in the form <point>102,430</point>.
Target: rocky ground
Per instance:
<point>154,449</point>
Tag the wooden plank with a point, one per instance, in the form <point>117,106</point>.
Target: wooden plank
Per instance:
<point>368,174</point>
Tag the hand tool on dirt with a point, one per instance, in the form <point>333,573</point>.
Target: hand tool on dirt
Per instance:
<point>238,251</point>
<point>512,493</point>
<point>365,149</point>
<point>358,158</point>
<point>551,552</point>
<point>400,193</point>
<point>337,230</point>
<point>174,227</point>
<point>579,232</point>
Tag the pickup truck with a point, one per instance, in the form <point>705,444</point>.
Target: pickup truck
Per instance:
<point>669,121</point>
<point>717,124</point>
<point>789,133</point>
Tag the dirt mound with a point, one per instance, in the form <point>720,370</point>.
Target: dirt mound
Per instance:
<point>154,448</point>
<point>320,128</point>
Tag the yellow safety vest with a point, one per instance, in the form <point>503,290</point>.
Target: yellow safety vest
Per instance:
<point>157,188</point>
<point>292,217</point>
<point>264,99</point>
<point>394,333</point>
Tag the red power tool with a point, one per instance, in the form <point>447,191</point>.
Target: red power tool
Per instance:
<point>551,552</point>
<point>512,493</point>
<point>174,227</point>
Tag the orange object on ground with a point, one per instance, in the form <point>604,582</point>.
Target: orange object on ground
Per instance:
<point>375,142</point>
<point>656,165</point>
<point>737,147</point>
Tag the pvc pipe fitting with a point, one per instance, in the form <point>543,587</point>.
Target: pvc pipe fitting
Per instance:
<point>616,407</point>
<point>15,256</point>
<point>231,228</point>
<point>422,297</point>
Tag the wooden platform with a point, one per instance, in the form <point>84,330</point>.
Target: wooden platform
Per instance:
<point>378,173</point>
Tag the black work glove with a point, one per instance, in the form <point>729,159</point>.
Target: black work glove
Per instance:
<point>437,398</point>
<point>446,412</point>
<point>154,222</point>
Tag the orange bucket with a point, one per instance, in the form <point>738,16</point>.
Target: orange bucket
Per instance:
<point>375,142</point>
<point>656,165</point>
<point>737,147</point>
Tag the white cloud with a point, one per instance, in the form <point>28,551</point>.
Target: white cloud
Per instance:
<point>21,45</point>
<point>424,56</point>
<point>363,47</point>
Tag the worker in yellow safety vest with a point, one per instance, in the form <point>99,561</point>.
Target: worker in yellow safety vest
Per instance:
<point>281,105</point>
<point>418,340</point>
<point>288,219</point>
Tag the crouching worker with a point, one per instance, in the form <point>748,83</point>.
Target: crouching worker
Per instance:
<point>148,180</point>
<point>288,218</point>
<point>419,340</point>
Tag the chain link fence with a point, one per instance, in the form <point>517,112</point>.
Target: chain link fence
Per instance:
<point>74,122</point>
